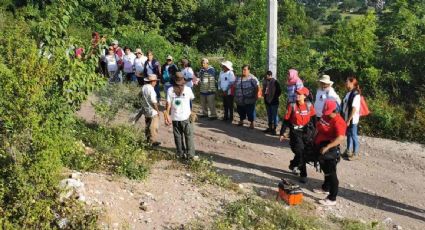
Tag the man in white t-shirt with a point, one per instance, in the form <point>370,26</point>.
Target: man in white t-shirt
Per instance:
<point>150,109</point>
<point>325,92</point>
<point>178,114</point>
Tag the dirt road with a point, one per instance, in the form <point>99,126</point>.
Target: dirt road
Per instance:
<point>386,184</point>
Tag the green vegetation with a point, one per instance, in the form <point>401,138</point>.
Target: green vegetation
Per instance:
<point>41,86</point>
<point>253,212</point>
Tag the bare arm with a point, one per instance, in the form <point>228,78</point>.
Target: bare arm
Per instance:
<point>334,143</point>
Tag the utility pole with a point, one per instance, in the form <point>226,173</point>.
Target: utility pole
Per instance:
<point>272,37</point>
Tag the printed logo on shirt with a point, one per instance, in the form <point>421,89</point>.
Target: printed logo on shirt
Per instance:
<point>323,122</point>
<point>177,102</point>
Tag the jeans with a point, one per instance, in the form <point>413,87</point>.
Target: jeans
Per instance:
<point>166,87</point>
<point>246,111</point>
<point>352,138</point>
<point>208,103</point>
<point>228,107</point>
<point>129,77</point>
<point>158,92</point>
<point>272,114</point>
<point>183,138</point>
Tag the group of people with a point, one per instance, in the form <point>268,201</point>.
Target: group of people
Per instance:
<point>317,125</point>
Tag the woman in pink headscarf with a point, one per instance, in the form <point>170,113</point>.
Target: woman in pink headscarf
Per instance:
<point>293,84</point>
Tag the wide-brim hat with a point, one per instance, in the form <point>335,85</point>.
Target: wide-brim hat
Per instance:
<point>326,79</point>
<point>169,57</point>
<point>179,79</point>
<point>228,65</point>
<point>114,42</point>
<point>151,77</point>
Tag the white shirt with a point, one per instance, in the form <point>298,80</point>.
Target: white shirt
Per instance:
<point>111,61</point>
<point>180,105</point>
<point>322,96</point>
<point>188,74</point>
<point>128,61</point>
<point>139,64</point>
<point>226,79</point>
<point>356,104</point>
<point>150,96</point>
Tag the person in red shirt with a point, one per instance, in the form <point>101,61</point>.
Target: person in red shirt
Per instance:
<point>298,116</point>
<point>330,134</point>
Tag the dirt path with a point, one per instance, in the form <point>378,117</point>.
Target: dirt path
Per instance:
<point>386,184</point>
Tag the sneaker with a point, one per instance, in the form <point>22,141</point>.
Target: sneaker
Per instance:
<point>303,180</point>
<point>327,202</point>
<point>295,171</point>
<point>345,154</point>
<point>353,157</point>
<point>320,191</point>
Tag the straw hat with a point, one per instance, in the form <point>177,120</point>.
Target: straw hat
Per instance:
<point>151,77</point>
<point>180,79</point>
<point>326,79</point>
<point>228,65</point>
<point>169,57</point>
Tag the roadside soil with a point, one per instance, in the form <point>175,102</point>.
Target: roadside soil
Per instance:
<point>385,185</point>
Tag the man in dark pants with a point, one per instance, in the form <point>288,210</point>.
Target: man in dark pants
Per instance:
<point>226,83</point>
<point>298,116</point>
<point>330,134</point>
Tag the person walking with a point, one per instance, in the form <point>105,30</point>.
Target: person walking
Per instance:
<point>152,66</point>
<point>169,70</point>
<point>271,94</point>
<point>351,111</point>
<point>207,89</point>
<point>324,92</point>
<point>150,109</point>
<point>299,116</point>
<point>330,134</point>
<point>178,113</point>
<point>246,95</point>
<point>293,84</point>
<point>139,66</point>
<point>128,65</point>
<point>226,83</point>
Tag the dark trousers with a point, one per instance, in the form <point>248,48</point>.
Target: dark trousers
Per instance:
<point>141,81</point>
<point>158,92</point>
<point>331,182</point>
<point>328,167</point>
<point>297,146</point>
<point>183,138</point>
<point>272,117</point>
<point>246,111</point>
<point>228,107</point>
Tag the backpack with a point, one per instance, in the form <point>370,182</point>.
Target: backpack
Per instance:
<point>310,155</point>
<point>364,109</point>
<point>166,74</point>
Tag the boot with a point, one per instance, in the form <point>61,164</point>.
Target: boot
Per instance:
<point>269,129</point>
<point>273,130</point>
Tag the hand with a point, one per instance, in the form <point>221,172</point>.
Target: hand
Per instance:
<point>324,150</point>
<point>283,138</point>
<point>348,123</point>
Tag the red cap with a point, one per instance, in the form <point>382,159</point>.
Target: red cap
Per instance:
<point>303,91</point>
<point>329,107</point>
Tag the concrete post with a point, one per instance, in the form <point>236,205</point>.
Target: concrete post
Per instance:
<point>272,37</point>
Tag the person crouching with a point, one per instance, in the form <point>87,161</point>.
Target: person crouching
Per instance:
<point>179,98</point>
<point>330,134</point>
<point>298,116</point>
